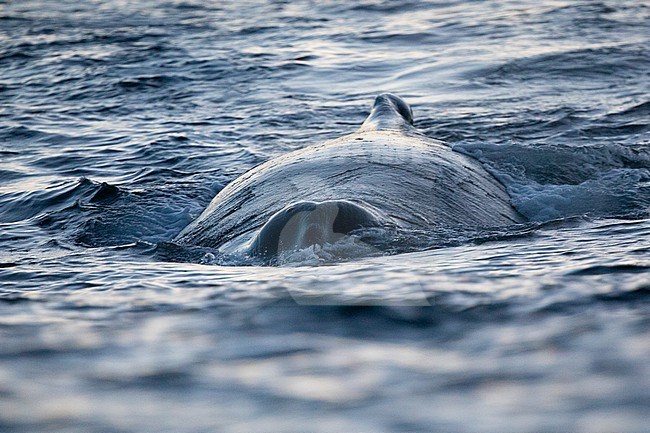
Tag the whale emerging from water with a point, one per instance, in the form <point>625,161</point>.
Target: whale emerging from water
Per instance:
<point>386,174</point>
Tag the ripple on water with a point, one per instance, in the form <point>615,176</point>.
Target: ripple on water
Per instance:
<point>123,119</point>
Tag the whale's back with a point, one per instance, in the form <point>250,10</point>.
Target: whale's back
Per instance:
<point>407,180</point>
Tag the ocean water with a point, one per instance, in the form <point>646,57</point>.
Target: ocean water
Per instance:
<point>121,120</point>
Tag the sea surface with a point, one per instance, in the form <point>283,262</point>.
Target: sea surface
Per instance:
<point>120,120</point>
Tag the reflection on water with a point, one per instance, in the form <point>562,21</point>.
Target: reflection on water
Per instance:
<point>124,119</point>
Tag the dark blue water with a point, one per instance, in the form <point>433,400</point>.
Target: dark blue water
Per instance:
<point>121,120</point>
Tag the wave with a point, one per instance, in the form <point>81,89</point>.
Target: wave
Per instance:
<point>94,214</point>
<point>582,66</point>
<point>549,182</point>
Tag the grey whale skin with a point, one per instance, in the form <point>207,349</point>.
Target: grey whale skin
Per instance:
<point>386,174</point>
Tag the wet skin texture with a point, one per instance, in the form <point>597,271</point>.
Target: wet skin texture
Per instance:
<point>386,174</point>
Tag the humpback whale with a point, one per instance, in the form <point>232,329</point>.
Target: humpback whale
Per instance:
<point>386,174</point>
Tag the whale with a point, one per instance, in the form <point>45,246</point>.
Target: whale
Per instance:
<point>385,175</point>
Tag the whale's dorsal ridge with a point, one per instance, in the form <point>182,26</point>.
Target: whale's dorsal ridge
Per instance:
<point>389,111</point>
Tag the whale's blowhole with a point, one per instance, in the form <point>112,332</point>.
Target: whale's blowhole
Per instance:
<point>389,112</point>
<point>397,104</point>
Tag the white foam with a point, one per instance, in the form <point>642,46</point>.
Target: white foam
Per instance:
<point>609,193</point>
<point>552,182</point>
<point>346,248</point>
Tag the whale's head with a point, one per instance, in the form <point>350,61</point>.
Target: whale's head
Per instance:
<point>389,112</point>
